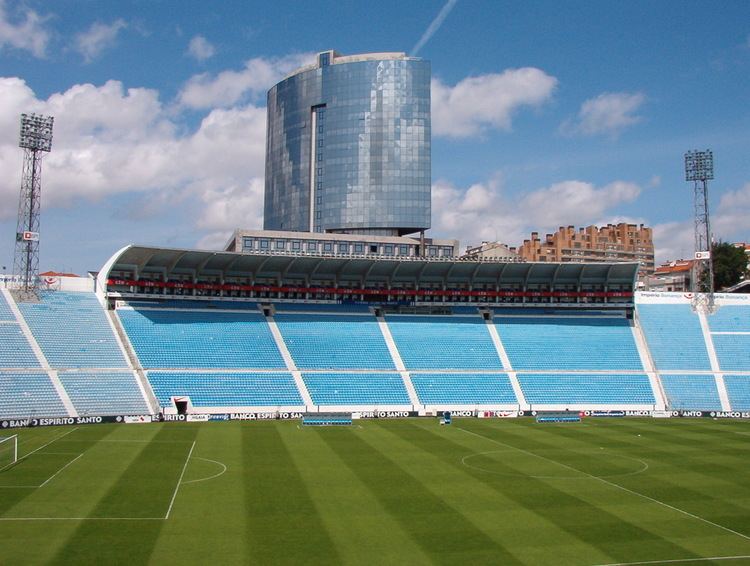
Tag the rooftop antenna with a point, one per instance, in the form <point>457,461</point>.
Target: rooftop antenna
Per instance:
<point>35,139</point>
<point>699,168</point>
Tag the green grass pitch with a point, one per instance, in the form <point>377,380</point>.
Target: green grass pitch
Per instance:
<point>606,491</point>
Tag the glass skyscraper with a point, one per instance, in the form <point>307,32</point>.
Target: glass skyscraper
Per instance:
<point>348,146</point>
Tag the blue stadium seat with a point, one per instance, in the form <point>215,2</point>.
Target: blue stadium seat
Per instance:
<point>444,342</point>
<point>738,391</point>
<point>732,351</point>
<point>463,388</point>
<point>104,393</point>
<point>5,313</point>
<point>25,395</point>
<point>691,392</point>
<point>197,339</point>
<point>569,343</point>
<point>356,388</point>
<point>320,341</point>
<point>593,389</point>
<point>15,351</point>
<point>674,336</point>
<point>73,331</point>
<point>241,389</point>
<point>318,307</point>
<point>730,318</point>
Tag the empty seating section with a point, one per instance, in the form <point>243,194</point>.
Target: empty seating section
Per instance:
<point>245,389</point>
<point>691,392</point>
<point>193,339</point>
<point>356,388</point>
<point>73,331</point>
<point>568,343</point>
<point>321,307</point>
<point>463,389</point>
<point>104,393</point>
<point>5,313</point>
<point>15,351</point>
<point>738,391</point>
<point>339,341</point>
<point>674,337</point>
<point>571,389</point>
<point>733,351</point>
<point>25,395</point>
<point>730,318</point>
<point>444,342</point>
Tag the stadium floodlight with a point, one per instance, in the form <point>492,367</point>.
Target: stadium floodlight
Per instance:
<point>8,451</point>
<point>35,139</point>
<point>699,168</point>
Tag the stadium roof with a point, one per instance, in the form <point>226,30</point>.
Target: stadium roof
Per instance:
<point>140,261</point>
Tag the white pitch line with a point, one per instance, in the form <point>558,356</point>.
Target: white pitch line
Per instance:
<point>38,449</point>
<point>81,518</point>
<point>222,472</point>
<point>179,481</point>
<point>618,486</point>
<point>60,470</point>
<point>675,561</point>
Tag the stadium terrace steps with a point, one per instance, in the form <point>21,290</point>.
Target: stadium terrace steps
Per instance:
<point>72,331</point>
<point>6,314</point>
<point>224,389</point>
<point>343,388</point>
<point>730,318</point>
<point>104,393</point>
<point>16,351</point>
<point>691,392</point>
<point>732,351</point>
<point>443,342</point>
<point>464,389</point>
<point>24,395</point>
<point>674,336</point>
<point>207,340</point>
<point>569,343</point>
<point>587,389</point>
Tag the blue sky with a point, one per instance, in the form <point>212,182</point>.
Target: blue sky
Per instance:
<point>544,113</point>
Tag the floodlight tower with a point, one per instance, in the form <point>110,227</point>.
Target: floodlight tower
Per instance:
<point>35,139</point>
<point>699,168</point>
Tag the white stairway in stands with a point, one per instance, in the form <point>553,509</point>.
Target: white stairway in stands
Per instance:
<point>648,365</point>
<point>396,356</point>
<point>721,386</point>
<point>289,361</point>
<point>512,376</point>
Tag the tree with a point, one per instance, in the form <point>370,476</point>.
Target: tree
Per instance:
<point>730,264</point>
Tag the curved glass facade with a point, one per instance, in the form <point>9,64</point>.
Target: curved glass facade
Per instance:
<point>348,146</point>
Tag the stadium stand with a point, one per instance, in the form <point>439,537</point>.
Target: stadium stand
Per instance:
<point>24,395</point>
<point>104,393</point>
<point>241,389</point>
<point>733,351</point>
<point>569,343</point>
<point>443,342</point>
<point>180,338</point>
<point>674,336</point>
<point>15,351</point>
<point>334,341</point>
<point>593,389</point>
<point>738,390</point>
<point>6,315</point>
<point>73,331</point>
<point>691,392</point>
<point>356,388</point>
<point>463,389</point>
<point>730,318</point>
<point>321,307</point>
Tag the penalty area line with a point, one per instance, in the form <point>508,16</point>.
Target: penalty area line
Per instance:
<point>613,484</point>
<point>38,449</point>
<point>179,481</point>
<point>676,560</point>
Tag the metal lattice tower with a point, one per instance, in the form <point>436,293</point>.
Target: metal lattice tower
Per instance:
<point>699,168</point>
<point>35,139</point>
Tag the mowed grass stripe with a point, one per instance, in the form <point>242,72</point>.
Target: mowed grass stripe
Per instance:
<point>694,534</point>
<point>444,534</point>
<point>208,522</point>
<point>143,489</point>
<point>283,525</point>
<point>702,484</point>
<point>361,528</point>
<point>584,509</point>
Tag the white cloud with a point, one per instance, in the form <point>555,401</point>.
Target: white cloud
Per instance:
<point>609,114</point>
<point>200,48</point>
<point>482,212</point>
<point>229,87</point>
<point>97,38</point>
<point>28,33</point>
<point>487,101</point>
